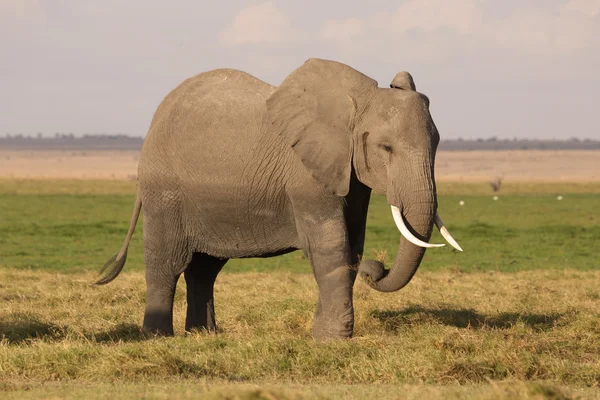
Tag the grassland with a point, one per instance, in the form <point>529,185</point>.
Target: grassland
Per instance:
<point>514,316</point>
<point>74,226</point>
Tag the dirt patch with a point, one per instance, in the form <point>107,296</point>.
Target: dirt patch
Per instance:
<point>54,164</point>
<point>519,165</point>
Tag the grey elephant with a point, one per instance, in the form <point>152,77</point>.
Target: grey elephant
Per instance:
<point>233,167</point>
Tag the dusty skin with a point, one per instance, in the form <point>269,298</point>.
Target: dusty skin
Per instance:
<point>469,166</point>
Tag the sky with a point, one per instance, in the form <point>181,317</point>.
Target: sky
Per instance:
<point>509,69</point>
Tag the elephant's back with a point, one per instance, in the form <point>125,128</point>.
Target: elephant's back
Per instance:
<point>209,114</point>
<point>219,86</point>
<point>209,96</point>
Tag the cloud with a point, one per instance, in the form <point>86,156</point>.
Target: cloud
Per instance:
<point>21,11</point>
<point>571,26</point>
<point>537,34</point>
<point>261,23</point>
<point>342,30</point>
<point>590,8</point>
<point>566,29</point>
<point>461,16</point>
<point>19,8</point>
<point>424,16</point>
<point>20,22</point>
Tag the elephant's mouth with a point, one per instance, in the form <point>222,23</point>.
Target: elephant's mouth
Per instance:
<point>399,220</point>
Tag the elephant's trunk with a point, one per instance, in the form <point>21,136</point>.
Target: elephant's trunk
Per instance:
<point>418,208</point>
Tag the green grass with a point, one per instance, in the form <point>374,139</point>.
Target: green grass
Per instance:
<point>45,227</point>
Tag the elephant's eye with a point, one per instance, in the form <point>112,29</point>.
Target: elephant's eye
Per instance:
<point>386,147</point>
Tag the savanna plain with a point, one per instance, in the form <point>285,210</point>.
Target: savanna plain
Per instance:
<point>516,315</point>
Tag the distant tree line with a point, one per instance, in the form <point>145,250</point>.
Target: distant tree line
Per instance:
<point>68,141</point>
<point>494,143</point>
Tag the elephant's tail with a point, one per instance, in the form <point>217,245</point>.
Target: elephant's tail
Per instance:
<point>113,267</point>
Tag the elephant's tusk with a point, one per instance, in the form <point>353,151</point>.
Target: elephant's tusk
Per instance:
<point>406,233</point>
<point>445,233</point>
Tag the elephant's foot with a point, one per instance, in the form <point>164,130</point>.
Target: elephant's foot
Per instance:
<point>160,291</point>
<point>158,324</point>
<point>200,329</point>
<point>334,325</point>
<point>201,320</point>
<point>150,332</point>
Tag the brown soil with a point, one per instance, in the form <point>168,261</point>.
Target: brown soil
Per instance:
<point>69,164</point>
<point>472,166</point>
<point>519,165</point>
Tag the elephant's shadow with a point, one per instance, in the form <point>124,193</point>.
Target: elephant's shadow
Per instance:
<point>464,318</point>
<point>19,328</point>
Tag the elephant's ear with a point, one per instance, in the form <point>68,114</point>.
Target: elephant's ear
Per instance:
<point>313,110</point>
<point>403,80</point>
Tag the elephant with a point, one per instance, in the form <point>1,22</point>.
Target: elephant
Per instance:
<point>233,167</point>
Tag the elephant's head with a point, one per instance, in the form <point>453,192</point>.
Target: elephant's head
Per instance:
<point>337,119</point>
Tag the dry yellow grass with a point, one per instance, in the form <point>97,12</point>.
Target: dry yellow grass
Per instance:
<point>453,335</point>
<point>509,390</point>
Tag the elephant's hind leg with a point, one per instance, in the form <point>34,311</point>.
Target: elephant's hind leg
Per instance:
<point>160,291</point>
<point>166,255</point>
<point>200,277</point>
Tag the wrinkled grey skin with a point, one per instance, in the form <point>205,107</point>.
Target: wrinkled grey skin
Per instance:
<point>233,167</point>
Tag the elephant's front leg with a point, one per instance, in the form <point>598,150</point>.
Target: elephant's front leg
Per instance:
<point>335,312</point>
<point>328,250</point>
